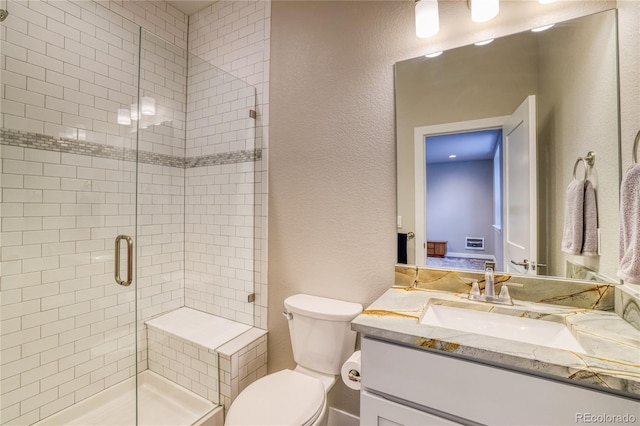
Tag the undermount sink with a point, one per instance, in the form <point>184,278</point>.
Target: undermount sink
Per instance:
<point>527,330</point>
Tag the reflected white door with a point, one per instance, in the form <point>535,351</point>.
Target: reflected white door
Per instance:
<point>520,190</point>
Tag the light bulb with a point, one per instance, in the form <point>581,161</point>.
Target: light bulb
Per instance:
<point>124,116</point>
<point>148,106</point>
<point>427,19</point>
<point>483,10</point>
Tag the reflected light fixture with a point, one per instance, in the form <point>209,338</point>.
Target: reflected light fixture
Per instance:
<point>433,55</point>
<point>484,10</point>
<point>452,156</point>
<point>543,28</point>
<point>124,116</point>
<point>147,106</point>
<point>135,115</point>
<point>427,19</point>
<point>483,43</point>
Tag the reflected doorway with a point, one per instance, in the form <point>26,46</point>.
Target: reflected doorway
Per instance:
<point>464,199</point>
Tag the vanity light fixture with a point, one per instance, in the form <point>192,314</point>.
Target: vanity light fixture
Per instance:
<point>543,28</point>
<point>484,10</point>
<point>433,55</point>
<point>427,18</point>
<point>147,106</point>
<point>483,43</point>
<point>124,116</point>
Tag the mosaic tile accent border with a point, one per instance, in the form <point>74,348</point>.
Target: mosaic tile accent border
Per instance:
<point>224,158</point>
<point>72,146</point>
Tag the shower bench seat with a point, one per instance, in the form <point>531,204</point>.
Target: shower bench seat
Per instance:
<point>211,356</point>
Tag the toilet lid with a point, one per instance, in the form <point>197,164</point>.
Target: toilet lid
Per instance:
<point>282,398</point>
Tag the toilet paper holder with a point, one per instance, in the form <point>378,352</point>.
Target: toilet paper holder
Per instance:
<point>354,375</point>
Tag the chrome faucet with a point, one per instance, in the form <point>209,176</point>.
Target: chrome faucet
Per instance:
<point>504,298</point>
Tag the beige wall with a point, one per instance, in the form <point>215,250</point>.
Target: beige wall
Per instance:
<point>332,139</point>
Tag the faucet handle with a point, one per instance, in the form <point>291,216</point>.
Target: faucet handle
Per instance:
<point>504,293</point>
<point>475,289</point>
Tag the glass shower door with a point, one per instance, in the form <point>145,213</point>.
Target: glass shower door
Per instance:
<point>68,151</point>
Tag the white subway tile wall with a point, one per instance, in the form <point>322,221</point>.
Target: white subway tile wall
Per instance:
<point>188,364</point>
<point>239,369</point>
<point>68,331</point>
<point>234,36</point>
<point>219,240</point>
<point>163,79</point>
<point>68,67</point>
<point>67,328</point>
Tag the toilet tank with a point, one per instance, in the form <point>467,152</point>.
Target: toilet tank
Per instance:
<point>320,328</point>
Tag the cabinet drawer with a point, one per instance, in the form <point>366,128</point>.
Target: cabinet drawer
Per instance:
<point>479,392</point>
<point>377,411</point>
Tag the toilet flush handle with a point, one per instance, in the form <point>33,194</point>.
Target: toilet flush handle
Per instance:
<point>288,315</point>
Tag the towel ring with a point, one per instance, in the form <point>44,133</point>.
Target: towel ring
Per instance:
<point>635,148</point>
<point>587,162</point>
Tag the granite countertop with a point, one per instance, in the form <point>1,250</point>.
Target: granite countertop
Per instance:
<point>612,346</point>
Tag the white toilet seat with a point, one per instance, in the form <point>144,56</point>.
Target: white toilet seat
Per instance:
<point>283,398</point>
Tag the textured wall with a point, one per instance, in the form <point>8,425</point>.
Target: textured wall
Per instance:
<point>332,181</point>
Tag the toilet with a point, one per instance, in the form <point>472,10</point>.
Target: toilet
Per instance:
<point>322,340</point>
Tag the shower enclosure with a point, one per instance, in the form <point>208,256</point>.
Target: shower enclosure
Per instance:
<point>127,192</point>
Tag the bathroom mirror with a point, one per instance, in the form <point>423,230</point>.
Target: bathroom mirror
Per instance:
<point>459,207</point>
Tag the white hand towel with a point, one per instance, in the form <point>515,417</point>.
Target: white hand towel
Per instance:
<point>572,234</point>
<point>590,225</point>
<point>629,266</point>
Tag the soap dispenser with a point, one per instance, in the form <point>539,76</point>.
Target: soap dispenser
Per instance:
<point>489,288</point>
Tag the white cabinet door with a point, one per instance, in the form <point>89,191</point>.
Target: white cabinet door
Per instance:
<point>482,393</point>
<point>377,411</point>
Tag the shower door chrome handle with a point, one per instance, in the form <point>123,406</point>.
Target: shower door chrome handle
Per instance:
<point>129,260</point>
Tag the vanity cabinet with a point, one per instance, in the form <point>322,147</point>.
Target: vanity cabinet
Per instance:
<point>410,386</point>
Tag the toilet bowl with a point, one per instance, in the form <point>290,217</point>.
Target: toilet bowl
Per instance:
<point>322,340</point>
<point>283,398</point>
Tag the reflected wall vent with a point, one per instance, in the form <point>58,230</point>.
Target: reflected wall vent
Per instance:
<point>474,243</point>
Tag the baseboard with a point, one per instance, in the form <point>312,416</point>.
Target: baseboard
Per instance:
<point>472,255</point>
<point>342,418</point>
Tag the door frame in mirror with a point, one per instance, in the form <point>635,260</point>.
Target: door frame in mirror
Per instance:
<point>420,176</point>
